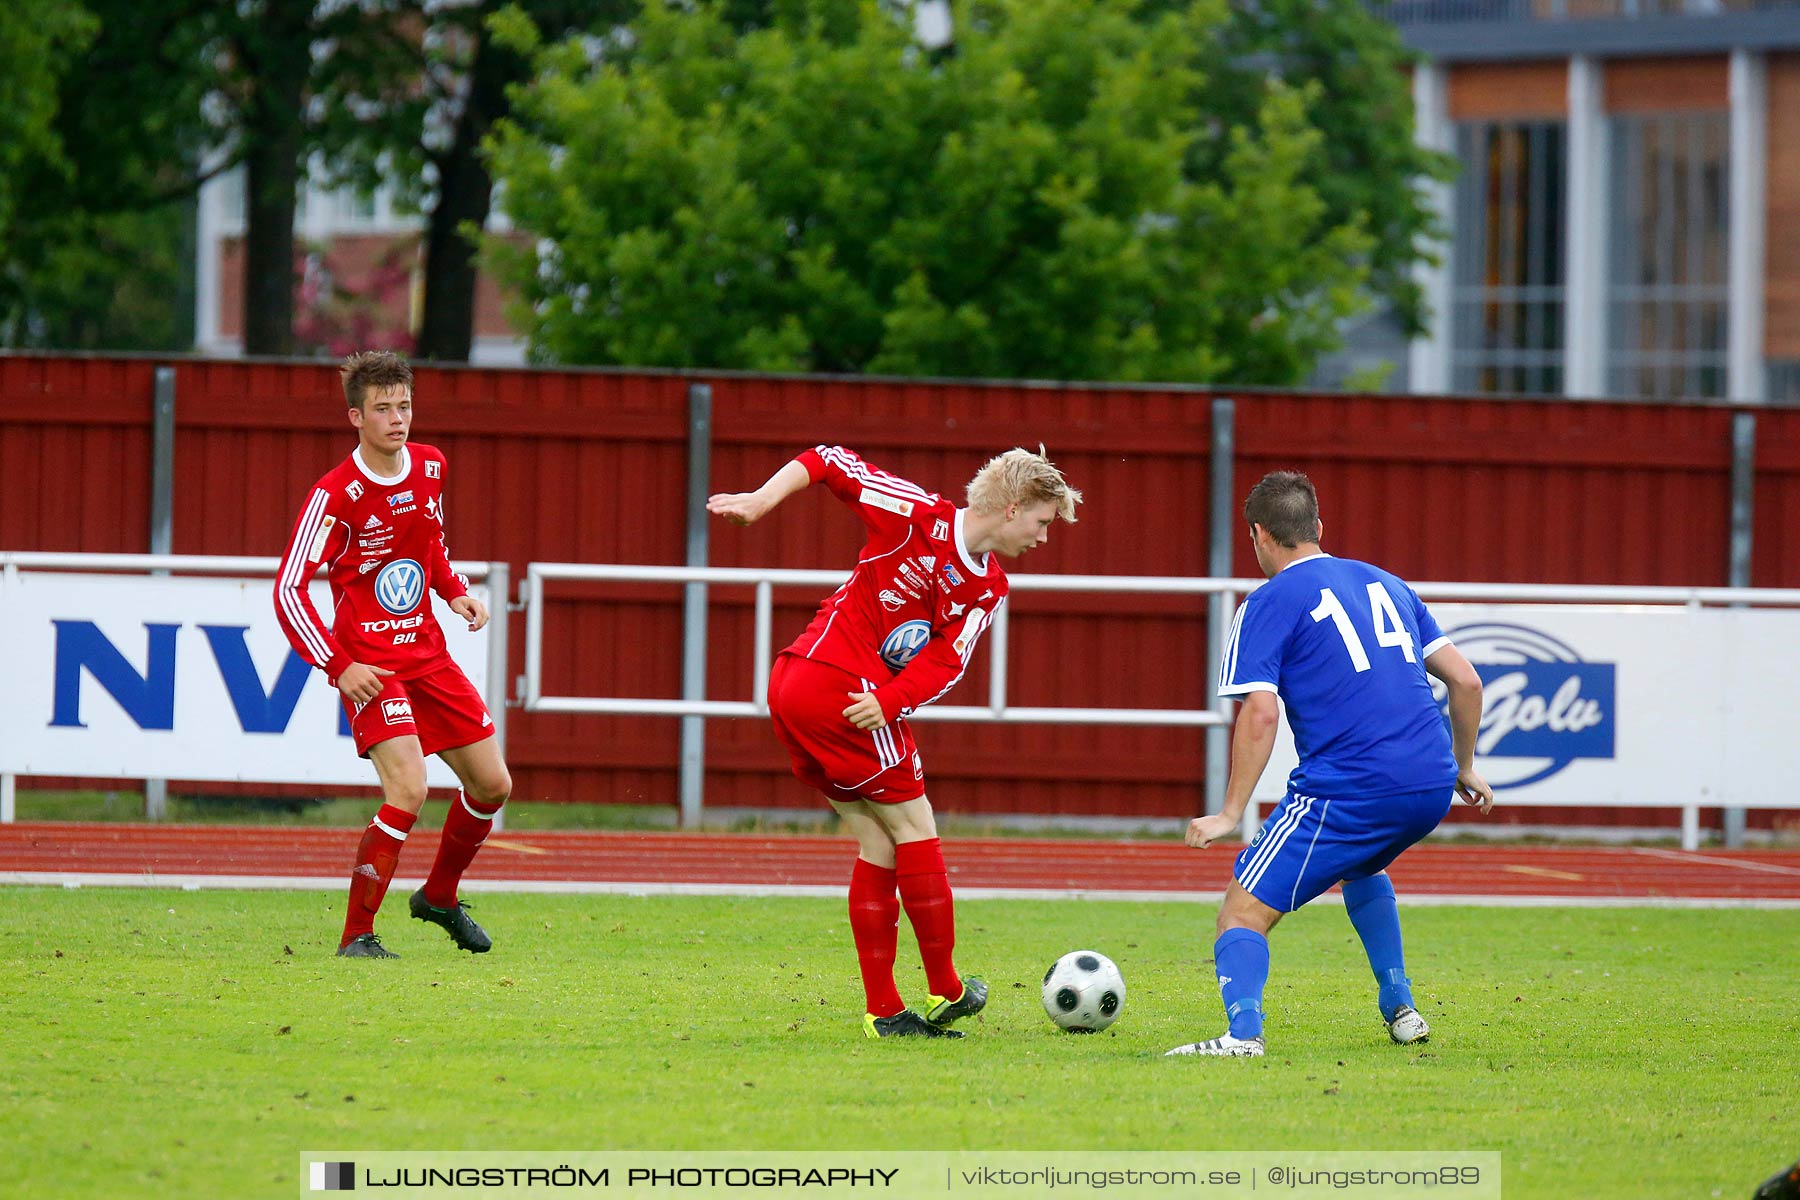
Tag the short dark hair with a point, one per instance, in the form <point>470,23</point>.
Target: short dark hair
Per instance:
<point>1285,504</point>
<point>372,370</point>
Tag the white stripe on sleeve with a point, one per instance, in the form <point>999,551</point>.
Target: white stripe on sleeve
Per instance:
<point>296,570</point>
<point>1228,659</point>
<point>874,477</point>
<point>973,625</point>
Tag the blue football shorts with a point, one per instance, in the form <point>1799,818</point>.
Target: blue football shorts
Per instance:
<point>1309,844</point>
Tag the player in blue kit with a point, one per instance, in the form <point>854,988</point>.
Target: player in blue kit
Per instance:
<point>1347,647</point>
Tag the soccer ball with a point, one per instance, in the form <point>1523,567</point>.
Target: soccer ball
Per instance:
<point>1083,992</point>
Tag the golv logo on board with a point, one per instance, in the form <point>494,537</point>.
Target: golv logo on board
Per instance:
<point>1542,705</point>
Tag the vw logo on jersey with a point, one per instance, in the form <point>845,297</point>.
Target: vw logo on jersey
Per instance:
<point>905,641</point>
<point>400,586</point>
<point>1542,706</point>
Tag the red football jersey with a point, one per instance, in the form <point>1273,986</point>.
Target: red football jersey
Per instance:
<point>909,616</point>
<point>382,543</point>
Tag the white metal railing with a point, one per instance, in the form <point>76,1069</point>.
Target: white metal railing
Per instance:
<point>1222,593</point>
<point>997,708</point>
<point>188,564</point>
<point>766,580</point>
<point>1216,720</point>
<point>1606,593</point>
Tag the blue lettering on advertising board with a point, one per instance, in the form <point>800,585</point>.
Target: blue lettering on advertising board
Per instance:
<point>1541,703</point>
<point>148,696</point>
<point>257,711</point>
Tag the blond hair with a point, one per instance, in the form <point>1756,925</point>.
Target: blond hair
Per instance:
<point>1022,477</point>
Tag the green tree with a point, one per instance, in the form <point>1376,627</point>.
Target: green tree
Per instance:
<point>104,281</point>
<point>158,96</point>
<point>101,249</point>
<point>418,124</point>
<point>417,120</point>
<point>1049,199</point>
<point>37,40</point>
<point>1350,66</point>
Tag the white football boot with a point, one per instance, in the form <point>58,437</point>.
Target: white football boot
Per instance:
<point>1408,1027</point>
<point>1224,1046</point>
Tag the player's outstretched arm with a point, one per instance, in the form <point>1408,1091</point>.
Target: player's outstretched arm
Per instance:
<point>1448,664</point>
<point>747,508</point>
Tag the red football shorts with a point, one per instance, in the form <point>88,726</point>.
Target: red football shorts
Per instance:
<point>807,701</point>
<point>441,707</point>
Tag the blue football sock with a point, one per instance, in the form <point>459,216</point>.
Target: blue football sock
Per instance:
<point>1370,903</point>
<point>1241,958</point>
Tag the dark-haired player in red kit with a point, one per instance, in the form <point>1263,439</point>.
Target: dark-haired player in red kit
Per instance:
<point>376,523</point>
<point>897,635</point>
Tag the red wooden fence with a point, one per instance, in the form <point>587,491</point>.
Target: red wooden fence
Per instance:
<point>590,466</point>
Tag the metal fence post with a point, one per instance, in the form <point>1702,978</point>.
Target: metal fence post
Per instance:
<point>1743,496</point>
<point>1219,541</point>
<point>693,622</point>
<point>8,782</point>
<point>1743,513</point>
<point>499,584</point>
<point>162,528</point>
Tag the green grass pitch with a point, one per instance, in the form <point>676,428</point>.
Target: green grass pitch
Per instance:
<point>192,1043</point>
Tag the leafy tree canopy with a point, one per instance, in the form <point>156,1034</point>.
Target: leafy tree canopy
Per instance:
<point>36,42</point>
<point>1361,101</point>
<point>1055,196</point>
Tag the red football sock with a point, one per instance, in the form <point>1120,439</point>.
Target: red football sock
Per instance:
<point>376,856</point>
<point>465,829</point>
<point>875,924</point>
<point>925,891</point>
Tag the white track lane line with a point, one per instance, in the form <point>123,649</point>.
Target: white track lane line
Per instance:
<point>194,883</point>
<point>1691,857</point>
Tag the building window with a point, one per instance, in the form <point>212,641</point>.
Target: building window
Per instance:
<point>1507,285</point>
<point>231,197</point>
<point>1667,286</point>
<point>1784,380</point>
<point>353,207</point>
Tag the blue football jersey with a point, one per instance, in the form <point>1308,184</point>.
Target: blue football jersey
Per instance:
<point>1344,644</point>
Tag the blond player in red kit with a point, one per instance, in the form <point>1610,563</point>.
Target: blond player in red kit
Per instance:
<point>897,635</point>
<point>375,522</point>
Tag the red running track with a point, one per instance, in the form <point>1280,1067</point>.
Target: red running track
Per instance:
<point>37,851</point>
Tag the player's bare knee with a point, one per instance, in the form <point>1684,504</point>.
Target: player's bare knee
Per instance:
<point>909,821</point>
<point>406,792</point>
<point>1241,910</point>
<point>493,790</point>
<point>877,852</point>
